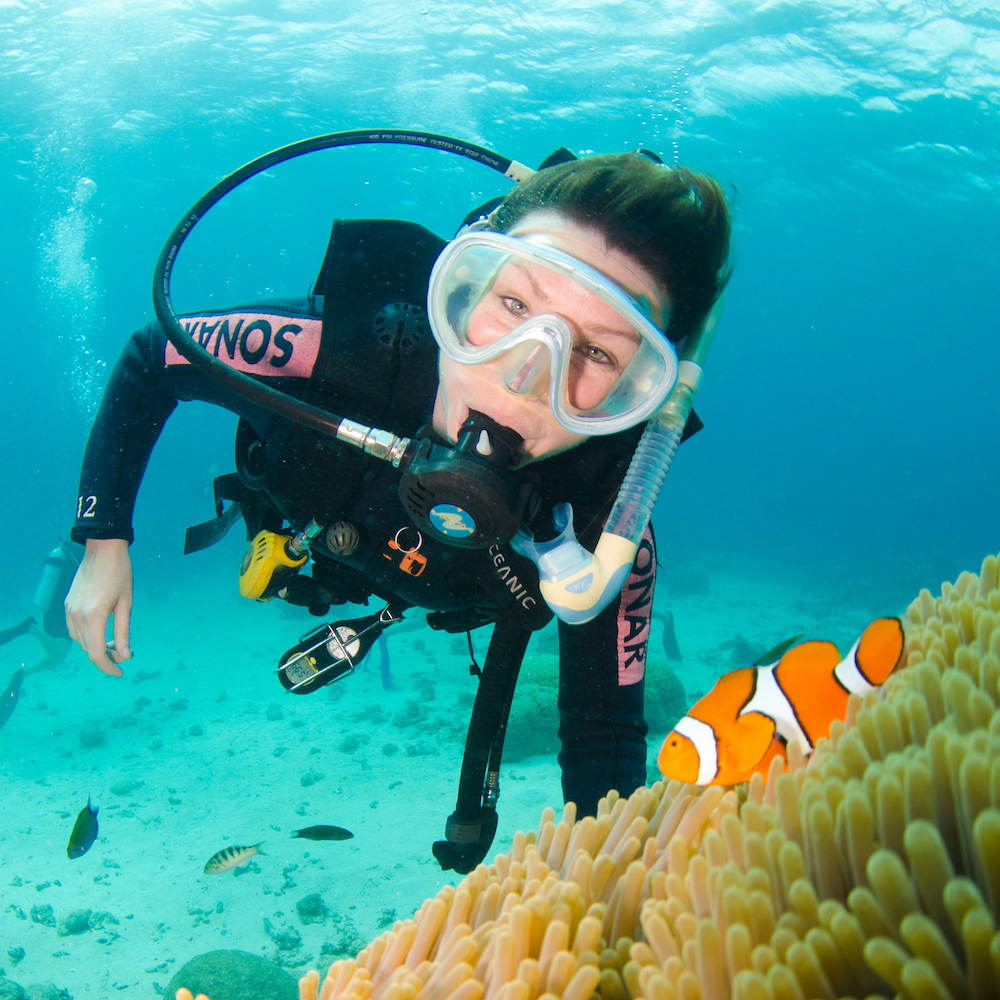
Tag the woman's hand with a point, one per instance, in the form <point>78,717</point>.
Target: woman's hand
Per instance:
<point>102,589</point>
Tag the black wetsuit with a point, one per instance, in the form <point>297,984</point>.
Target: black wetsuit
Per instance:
<point>362,350</point>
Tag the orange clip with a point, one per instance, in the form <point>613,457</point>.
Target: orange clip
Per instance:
<point>411,562</point>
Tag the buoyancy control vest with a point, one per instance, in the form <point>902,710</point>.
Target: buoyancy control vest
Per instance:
<point>378,364</point>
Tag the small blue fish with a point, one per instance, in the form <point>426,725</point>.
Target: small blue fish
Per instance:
<point>324,833</point>
<point>84,832</point>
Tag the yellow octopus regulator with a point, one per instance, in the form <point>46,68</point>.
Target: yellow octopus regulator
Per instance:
<point>871,870</point>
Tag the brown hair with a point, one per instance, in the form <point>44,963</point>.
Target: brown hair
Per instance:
<point>673,221</point>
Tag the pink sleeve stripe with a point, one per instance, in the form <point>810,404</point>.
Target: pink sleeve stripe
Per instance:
<point>257,343</point>
<point>635,607</point>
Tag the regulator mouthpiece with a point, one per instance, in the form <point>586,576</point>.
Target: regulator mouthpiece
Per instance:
<point>466,495</point>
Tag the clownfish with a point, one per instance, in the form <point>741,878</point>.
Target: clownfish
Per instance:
<point>753,713</point>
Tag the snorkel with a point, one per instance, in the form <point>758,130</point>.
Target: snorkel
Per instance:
<point>578,584</point>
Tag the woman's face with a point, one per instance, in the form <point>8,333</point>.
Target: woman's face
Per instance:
<point>603,341</point>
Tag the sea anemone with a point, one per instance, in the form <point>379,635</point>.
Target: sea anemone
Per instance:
<point>868,870</point>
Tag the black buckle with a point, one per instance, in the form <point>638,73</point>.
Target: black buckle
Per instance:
<point>468,840</point>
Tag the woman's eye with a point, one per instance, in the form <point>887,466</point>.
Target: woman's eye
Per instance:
<point>595,354</point>
<point>515,306</point>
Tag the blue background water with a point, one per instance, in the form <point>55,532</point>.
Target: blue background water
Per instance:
<point>851,397</point>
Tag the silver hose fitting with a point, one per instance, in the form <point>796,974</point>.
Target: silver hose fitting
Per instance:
<point>373,441</point>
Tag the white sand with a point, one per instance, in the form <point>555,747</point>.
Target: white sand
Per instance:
<point>239,782</point>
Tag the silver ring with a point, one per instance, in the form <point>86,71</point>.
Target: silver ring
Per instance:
<point>416,548</point>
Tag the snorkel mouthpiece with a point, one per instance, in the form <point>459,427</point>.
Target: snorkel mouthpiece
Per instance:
<point>577,584</point>
<point>465,495</point>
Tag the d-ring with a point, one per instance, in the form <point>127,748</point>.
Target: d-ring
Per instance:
<point>420,539</point>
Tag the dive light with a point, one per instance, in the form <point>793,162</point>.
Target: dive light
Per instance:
<point>332,651</point>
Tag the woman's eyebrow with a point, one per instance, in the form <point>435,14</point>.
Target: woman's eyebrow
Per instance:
<point>532,280</point>
<point>630,333</point>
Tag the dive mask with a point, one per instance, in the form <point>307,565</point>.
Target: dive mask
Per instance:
<point>550,324</point>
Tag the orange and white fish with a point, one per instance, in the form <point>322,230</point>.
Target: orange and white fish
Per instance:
<point>230,857</point>
<point>753,713</point>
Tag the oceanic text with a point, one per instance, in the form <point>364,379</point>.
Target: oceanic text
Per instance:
<point>509,579</point>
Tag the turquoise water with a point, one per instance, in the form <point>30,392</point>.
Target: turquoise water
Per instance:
<point>851,397</point>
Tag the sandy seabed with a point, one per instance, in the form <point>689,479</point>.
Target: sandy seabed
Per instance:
<point>203,749</point>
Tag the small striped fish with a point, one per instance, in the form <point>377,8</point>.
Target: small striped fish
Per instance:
<point>230,857</point>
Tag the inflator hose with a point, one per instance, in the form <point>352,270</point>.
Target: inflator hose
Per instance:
<point>471,827</point>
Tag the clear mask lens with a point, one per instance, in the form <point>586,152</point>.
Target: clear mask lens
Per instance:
<point>547,322</point>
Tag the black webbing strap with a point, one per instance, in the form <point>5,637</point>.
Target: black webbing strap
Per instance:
<point>228,487</point>
<point>471,827</point>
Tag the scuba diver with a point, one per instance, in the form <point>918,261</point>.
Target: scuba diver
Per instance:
<point>496,389</point>
<point>47,622</point>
